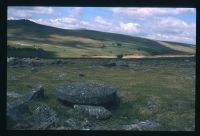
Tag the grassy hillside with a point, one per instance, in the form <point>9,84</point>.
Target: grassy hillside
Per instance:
<point>83,43</point>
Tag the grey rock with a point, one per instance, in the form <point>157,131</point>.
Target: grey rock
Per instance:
<point>110,64</point>
<point>45,116</point>
<point>117,63</point>
<point>130,127</point>
<point>122,63</point>
<point>10,60</point>
<point>151,104</point>
<point>142,125</point>
<point>81,125</point>
<point>34,69</point>
<point>86,125</point>
<point>17,111</point>
<point>81,75</point>
<point>86,93</point>
<point>147,124</point>
<point>13,94</point>
<point>76,124</point>
<point>193,126</point>
<point>98,112</point>
<point>36,93</point>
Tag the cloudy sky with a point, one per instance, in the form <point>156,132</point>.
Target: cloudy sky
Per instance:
<point>170,24</point>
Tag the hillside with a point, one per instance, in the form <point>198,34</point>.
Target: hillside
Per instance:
<point>26,37</point>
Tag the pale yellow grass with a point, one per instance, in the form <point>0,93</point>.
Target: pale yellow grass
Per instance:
<point>75,39</point>
<point>178,47</point>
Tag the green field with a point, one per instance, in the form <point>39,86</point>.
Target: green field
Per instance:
<point>171,84</point>
<point>64,43</point>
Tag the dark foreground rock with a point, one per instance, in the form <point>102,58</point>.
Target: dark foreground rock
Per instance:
<point>17,111</point>
<point>45,116</point>
<point>98,112</point>
<point>13,94</point>
<point>86,125</point>
<point>36,93</point>
<point>75,124</point>
<point>86,93</point>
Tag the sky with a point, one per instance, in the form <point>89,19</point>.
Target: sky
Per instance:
<point>166,24</point>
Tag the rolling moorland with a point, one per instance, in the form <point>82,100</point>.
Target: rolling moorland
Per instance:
<point>151,88</point>
<point>62,43</point>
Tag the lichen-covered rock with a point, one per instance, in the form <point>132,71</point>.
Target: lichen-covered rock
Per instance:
<point>36,93</point>
<point>13,94</point>
<point>17,111</point>
<point>147,124</point>
<point>98,112</point>
<point>86,93</point>
<point>45,115</point>
<point>75,124</point>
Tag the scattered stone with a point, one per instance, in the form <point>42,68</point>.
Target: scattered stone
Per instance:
<point>76,124</point>
<point>98,112</point>
<point>81,125</point>
<point>59,62</point>
<point>143,125</point>
<point>81,75</point>
<point>147,124</point>
<point>86,94</point>
<point>122,63</point>
<point>45,116</point>
<point>117,63</point>
<point>34,69</point>
<point>86,125</point>
<point>13,94</point>
<point>110,64</point>
<point>36,93</point>
<point>11,60</point>
<point>151,104</point>
<point>130,127</point>
<point>17,111</point>
<point>61,76</point>
<point>187,60</point>
<point>27,62</point>
<point>193,126</point>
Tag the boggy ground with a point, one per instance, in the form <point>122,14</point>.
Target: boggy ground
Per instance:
<point>170,84</point>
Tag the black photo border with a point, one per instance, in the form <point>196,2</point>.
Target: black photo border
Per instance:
<point>90,3</point>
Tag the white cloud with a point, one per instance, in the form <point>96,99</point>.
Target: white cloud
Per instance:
<point>171,29</point>
<point>66,23</point>
<point>27,12</point>
<point>129,27</point>
<point>100,20</point>
<point>149,12</point>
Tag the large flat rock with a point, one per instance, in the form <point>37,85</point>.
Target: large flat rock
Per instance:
<point>86,93</point>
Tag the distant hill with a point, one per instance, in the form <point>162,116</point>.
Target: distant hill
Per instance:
<point>84,43</point>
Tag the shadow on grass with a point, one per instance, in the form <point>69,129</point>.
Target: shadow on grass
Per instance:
<point>30,52</point>
<point>110,105</point>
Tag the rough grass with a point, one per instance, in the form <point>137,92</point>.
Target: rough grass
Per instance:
<point>170,83</point>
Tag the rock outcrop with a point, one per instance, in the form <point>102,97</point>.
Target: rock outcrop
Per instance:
<point>45,116</point>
